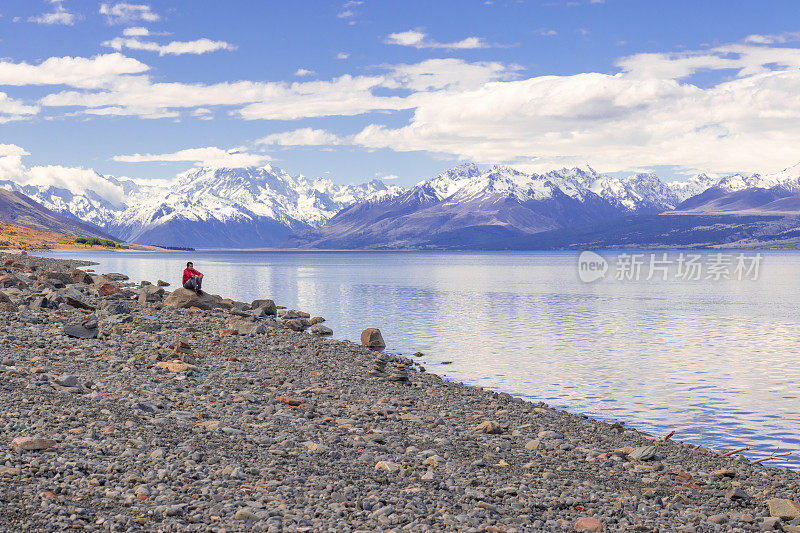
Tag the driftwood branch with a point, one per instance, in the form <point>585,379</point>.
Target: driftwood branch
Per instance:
<point>732,452</point>
<point>773,457</point>
<point>669,435</point>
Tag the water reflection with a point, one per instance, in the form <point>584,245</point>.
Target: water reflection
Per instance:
<point>714,360</point>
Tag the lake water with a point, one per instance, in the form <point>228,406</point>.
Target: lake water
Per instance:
<point>718,361</point>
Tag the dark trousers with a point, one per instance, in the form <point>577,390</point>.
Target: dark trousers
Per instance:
<point>193,284</point>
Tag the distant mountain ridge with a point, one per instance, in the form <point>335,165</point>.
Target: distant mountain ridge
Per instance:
<point>472,208</point>
<point>19,209</point>
<point>208,207</point>
<point>463,206</point>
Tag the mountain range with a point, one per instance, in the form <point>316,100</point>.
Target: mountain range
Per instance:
<point>205,207</point>
<point>464,207</point>
<point>468,208</point>
<point>19,209</point>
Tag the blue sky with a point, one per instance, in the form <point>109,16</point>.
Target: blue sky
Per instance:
<point>353,90</point>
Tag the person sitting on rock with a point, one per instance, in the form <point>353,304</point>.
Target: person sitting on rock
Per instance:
<point>192,279</point>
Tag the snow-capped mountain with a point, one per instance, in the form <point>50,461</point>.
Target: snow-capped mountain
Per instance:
<point>262,206</point>
<point>693,186</point>
<point>207,207</point>
<point>464,205</point>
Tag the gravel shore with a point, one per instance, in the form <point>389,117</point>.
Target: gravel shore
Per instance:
<point>126,408</point>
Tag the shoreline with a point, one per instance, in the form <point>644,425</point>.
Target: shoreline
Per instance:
<point>284,429</point>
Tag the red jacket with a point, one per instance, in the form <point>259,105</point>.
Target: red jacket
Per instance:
<point>189,273</point>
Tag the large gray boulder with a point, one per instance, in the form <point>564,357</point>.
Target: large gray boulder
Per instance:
<point>150,293</point>
<point>264,308</point>
<point>80,276</point>
<point>246,327</point>
<point>184,299</point>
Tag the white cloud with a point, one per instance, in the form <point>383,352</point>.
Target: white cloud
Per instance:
<point>419,39</point>
<point>72,178</point>
<point>88,73</point>
<point>136,31</point>
<point>775,38</point>
<point>199,46</point>
<point>301,137</point>
<point>11,166</point>
<point>203,113</point>
<point>342,55</point>
<point>11,109</point>
<point>545,32</point>
<point>641,117</point>
<point>123,13</point>
<point>343,96</point>
<point>435,74</point>
<point>346,14</point>
<point>301,72</point>
<point>59,15</point>
<point>210,156</point>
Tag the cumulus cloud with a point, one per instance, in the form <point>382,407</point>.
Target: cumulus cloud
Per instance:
<point>745,59</point>
<point>301,137</point>
<point>647,113</point>
<point>199,46</point>
<point>301,72</point>
<point>203,113</point>
<point>136,31</point>
<point>59,15</point>
<point>123,13</point>
<point>87,73</point>
<point>342,55</point>
<point>419,39</point>
<point>72,178</point>
<point>644,115</point>
<point>775,38</point>
<point>75,178</point>
<point>345,95</point>
<point>11,109</point>
<point>435,74</point>
<point>210,156</point>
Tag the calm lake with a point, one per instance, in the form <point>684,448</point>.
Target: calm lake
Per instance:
<point>716,360</point>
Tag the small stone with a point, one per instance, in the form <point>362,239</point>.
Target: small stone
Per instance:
<point>723,472</point>
<point>175,366</point>
<point>588,523</point>
<point>319,329</point>
<point>489,426</point>
<point>532,445</point>
<point>387,465</point>
<point>264,307</point>
<point>175,510</point>
<point>783,509</point>
<point>771,523</point>
<point>294,324</point>
<point>32,443</point>
<point>372,339</point>
<point>79,332</point>
<point>67,380</point>
<point>244,515</point>
<point>642,453</point>
<point>294,402</point>
<point>737,493</point>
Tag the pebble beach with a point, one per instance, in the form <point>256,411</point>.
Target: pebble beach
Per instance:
<point>142,407</point>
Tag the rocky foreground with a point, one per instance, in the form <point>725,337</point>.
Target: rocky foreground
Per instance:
<point>129,409</point>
